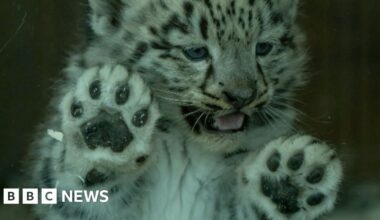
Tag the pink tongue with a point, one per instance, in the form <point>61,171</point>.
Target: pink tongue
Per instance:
<point>230,122</point>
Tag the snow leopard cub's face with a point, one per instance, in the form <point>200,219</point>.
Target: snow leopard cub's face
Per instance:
<point>221,66</point>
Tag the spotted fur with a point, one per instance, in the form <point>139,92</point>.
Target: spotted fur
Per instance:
<point>171,167</point>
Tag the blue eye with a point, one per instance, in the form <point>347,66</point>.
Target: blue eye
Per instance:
<point>263,49</point>
<point>196,53</point>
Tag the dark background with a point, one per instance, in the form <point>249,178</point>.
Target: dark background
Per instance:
<point>342,101</point>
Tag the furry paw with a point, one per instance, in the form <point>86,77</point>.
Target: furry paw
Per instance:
<point>292,178</point>
<point>108,119</point>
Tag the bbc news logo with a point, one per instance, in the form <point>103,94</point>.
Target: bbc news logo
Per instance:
<point>45,196</point>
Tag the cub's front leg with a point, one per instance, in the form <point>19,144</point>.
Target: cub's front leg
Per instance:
<point>107,120</point>
<point>291,178</point>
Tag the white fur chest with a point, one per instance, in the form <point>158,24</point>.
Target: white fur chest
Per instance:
<point>186,181</point>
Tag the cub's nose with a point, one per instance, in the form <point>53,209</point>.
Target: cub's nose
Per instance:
<point>107,130</point>
<point>239,99</point>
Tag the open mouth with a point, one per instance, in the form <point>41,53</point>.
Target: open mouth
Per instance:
<point>228,123</point>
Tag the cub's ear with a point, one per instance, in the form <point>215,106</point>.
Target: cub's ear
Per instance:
<point>106,16</point>
<point>286,9</point>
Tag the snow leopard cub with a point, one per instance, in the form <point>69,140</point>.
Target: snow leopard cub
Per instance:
<point>181,110</point>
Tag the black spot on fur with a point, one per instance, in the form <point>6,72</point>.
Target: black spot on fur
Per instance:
<point>269,3</point>
<point>174,23</point>
<point>116,7</point>
<point>288,41</point>
<point>233,8</point>
<point>203,27</point>
<point>224,19</point>
<point>209,73</point>
<point>163,45</point>
<point>46,177</point>
<point>261,21</point>
<point>189,8</point>
<point>62,158</point>
<point>139,52</point>
<point>261,72</point>
<point>277,18</point>
<point>275,81</point>
<point>153,30</point>
<point>250,18</point>
<point>163,5</point>
<point>208,4</point>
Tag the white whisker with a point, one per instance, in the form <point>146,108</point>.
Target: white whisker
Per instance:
<point>196,122</point>
<point>282,117</point>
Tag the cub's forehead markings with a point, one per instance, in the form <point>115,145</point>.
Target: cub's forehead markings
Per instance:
<point>203,26</point>
<point>189,8</point>
<point>269,3</point>
<point>173,23</point>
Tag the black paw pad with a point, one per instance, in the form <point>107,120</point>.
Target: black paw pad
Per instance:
<point>273,163</point>
<point>283,193</point>
<point>286,198</point>
<point>122,95</point>
<point>107,130</point>
<point>268,186</point>
<point>296,161</point>
<point>76,109</point>
<point>316,175</point>
<point>140,118</point>
<point>94,177</point>
<point>288,208</point>
<point>315,199</point>
<point>95,90</point>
